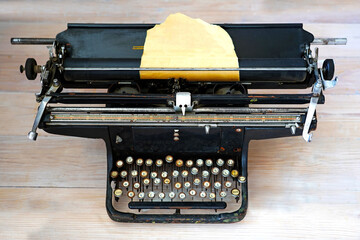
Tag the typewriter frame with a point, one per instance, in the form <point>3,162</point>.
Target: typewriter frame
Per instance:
<point>304,72</point>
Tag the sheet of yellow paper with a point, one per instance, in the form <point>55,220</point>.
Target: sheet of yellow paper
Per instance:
<point>184,42</point>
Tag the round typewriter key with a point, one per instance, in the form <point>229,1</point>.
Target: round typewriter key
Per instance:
<point>197,181</point>
<point>220,162</point>
<point>234,173</point>
<point>164,174</point>
<point>126,184</point>
<point>151,194</point>
<point>199,162</point>
<point>235,192</point>
<point>187,184</point>
<point>206,184</point>
<point>144,174</point>
<point>192,192</point>
<point>146,181</point>
<point>184,173</point>
<point>242,179</point>
<point>177,185</point>
<point>139,161</point>
<point>172,195</point>
<point>175,173</point>
<point>212,195</point>
<point>169,159</point>
<point>205,174</point>
<point>129,160</point>
<point>215,170</point>
<point>194,171</point>
<point>167,181</point>
<point>134,173</point>
<point>189,163</point>
<point>182,195</point>
<point>208,162</point>
<point>179,163</point>
<point>114,174</point>
<point>120,163</point>
<point>222,194</point>
<point>148,162</point>
<point>217,185</point>
<point>123,174</point>
<point>157,181</point>
<point>225,173</point>
<point>141,195</point>
<point>118,192</point>
<point>227,184</point>
<point>136,185</point>
<point>202,194</point>
<point>159,163</point>
<point>153,174</point>
<point>161,195</point>
<point>230,162</point>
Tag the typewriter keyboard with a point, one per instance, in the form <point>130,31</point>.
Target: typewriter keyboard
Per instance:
<point>164,185</point>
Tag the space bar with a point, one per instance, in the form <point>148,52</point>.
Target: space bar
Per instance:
<point>177,205</point>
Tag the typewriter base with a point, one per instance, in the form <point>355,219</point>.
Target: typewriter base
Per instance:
<point>103,132</point>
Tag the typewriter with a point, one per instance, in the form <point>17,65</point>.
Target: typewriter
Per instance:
<point>177,149</point>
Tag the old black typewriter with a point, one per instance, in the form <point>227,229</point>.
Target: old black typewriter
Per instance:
<point>177,149</point>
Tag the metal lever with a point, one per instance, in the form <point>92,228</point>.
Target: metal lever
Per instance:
<point>314,99</point>
<point>32,135</point>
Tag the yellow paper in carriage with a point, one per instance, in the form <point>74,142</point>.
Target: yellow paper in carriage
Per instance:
<point>184,42</point>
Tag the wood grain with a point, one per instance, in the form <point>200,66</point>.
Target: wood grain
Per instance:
<point>54,188</point>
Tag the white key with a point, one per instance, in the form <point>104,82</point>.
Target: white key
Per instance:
<point>164,174</point>
<point>182,195</point>
<point>208,162</point>
<point>225,173</point>
<point>159,162</point>
<point>172,195</point>
<point>148,162</point>
<point>228,184</point>
<point>141,195</point>
<point>123,174</point>
<point>217,185</point>
<point>184,173</point>
<point>212,195</point>
<point>194,171</point>
<point>222,194</point>
<point>153,174</point>
<point>215,170</point>
<point>120,163</point>
<point>126,184</point>
<point>175,173</point>
<point>139,161</point>
<point>192,192</point>
<point>205,174</point>
<point>131,194</point>
<point>157,181</point>
<point>189,163</point>
<point>134,173</point>
<point>136,185</point>
<point>169,159</point>
<point>146,181</point>
<point>199,162</point>
<point>161,195</point>
<point>151,194</point>
<point>202,194</point>
<point>129,160</point>
<point>187,184</point>
<point>220,162</point>
<point>230,162</point>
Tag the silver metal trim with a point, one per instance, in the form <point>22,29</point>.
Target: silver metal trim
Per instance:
<point>329,41</point>
<point>171,110</point>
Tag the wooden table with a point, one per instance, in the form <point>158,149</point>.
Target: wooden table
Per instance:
<point>54,188</point>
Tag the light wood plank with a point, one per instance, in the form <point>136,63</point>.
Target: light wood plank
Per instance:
<point>80,214</point>
<point>156,11</point>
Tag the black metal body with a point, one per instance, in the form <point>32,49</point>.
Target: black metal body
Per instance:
<point>116,45</point>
